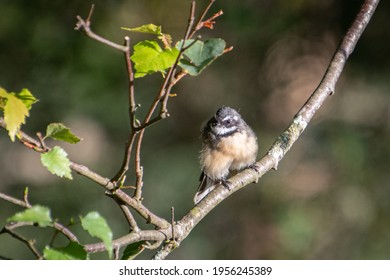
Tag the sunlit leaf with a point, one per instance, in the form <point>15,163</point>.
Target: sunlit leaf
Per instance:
<point>199,55</point>
<point>60,132</point>
<point>97,226</point>
<point>151,28</point>
<point>26,97</point>
<point>147,28</point>
<point>73,251</point>
<point>57,162</point>
<point>149,58</point>
<point>36,214</point>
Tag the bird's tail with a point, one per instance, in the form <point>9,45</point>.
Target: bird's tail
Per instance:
<point>205,187</point>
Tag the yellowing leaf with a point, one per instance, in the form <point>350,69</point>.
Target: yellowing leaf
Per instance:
<point>15,113</point>
<point>3,98</point>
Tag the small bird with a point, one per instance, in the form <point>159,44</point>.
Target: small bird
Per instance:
<point>228,144</point>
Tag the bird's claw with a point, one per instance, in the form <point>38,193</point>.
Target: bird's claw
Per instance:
<point>227,184</point>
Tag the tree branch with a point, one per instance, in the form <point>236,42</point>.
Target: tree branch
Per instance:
<point>276,153</point>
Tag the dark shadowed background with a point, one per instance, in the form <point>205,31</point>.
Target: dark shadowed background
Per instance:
<point>329,199</point>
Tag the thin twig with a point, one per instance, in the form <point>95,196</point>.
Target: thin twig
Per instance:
<point>139,174</point>
<point>85,26</point>
<point>29,243</point>
<point>90,13</point>
<point>126,159</point>
<point>229,49</point>
<point>40,138</point>
<point>65,231</point>
<point>13,200</point>
<point>132,109</point>
<point>126,211</point>
<point>149,216</point>
<point>169,81</point>
<point>164,103</point>
<point>200,19</point>
<point>130,76</point>
<point>173,222</point>
<point>25,198</point>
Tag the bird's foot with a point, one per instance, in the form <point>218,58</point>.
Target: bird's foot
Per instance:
<point>227,184</point>
<point>254,167</point>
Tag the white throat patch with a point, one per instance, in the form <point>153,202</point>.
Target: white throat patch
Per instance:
<point>223,130</point>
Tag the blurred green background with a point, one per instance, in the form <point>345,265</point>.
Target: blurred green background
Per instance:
<point>329,199</point>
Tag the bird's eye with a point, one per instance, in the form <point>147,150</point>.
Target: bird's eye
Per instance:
<point>228,121</point>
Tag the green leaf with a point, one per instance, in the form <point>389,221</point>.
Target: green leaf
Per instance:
<point>149,58</point>
<point>57,162</point>
<point>151,28</point>
<point>200,54</point>
<point>132,250</point>
<point>97,226</point>
<point>36,214</point>
<point>147,28</point>
<point>73,251</point>
<point>27,98</point>
<point>15,113</point>
<point>60,132</point>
